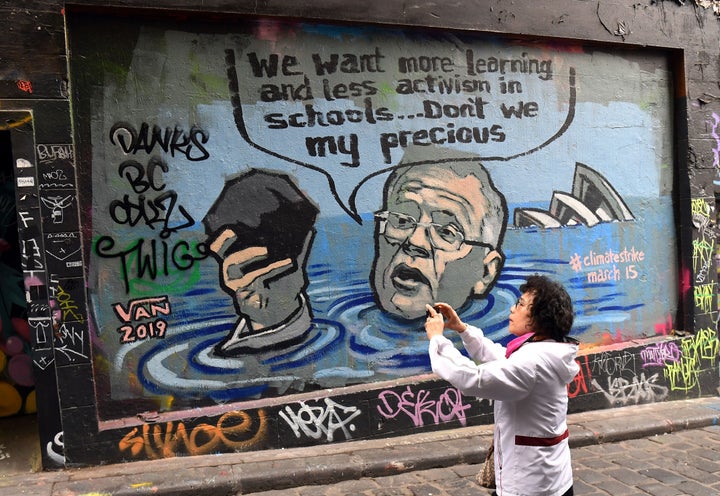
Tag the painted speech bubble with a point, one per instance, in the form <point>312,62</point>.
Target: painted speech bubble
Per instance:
<point>349,109</point>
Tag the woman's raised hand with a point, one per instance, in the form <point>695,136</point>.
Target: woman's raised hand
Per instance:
<point>452,321</point>
<point>434,324</point>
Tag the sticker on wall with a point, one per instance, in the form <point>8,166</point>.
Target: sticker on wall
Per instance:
<point>55,166</point>
<point>58,209</point>
<point>63,253</point>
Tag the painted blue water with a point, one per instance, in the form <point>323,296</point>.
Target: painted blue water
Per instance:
<point>352,341</point>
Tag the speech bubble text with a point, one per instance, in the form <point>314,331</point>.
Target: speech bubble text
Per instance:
<point>352,109</point>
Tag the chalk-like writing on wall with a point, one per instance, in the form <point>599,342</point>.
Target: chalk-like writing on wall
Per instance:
<point>64,249</point>
<point>609,265</point>
<point>50,153</point>
<point>639,389</point>
<point>70,341</point>
<point>615,375</point>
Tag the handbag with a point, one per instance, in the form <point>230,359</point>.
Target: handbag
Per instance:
<point>486,477</point>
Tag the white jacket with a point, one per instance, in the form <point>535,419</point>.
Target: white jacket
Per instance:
<point>532,455</point>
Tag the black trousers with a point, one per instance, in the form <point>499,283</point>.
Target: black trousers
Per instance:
<point>569,492</point>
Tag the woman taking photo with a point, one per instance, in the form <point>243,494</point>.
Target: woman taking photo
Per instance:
<point>527,381</point>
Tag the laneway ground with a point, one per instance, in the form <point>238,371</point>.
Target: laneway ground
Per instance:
<point>678,464</point>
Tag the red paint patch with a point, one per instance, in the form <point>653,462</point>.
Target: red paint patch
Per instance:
<point>25,86</point>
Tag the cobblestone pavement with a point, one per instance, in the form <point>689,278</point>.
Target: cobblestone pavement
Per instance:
<point>678,464</point>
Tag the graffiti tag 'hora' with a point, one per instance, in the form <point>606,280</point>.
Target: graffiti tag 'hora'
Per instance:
<point>318,421</point>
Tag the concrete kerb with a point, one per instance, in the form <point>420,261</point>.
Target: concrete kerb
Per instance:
<point>246,473</point>
<point>469,445</point>
<point>620,424</point>
<point>376,458</point>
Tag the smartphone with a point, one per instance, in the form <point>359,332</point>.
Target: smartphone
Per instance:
<point>427,312</point>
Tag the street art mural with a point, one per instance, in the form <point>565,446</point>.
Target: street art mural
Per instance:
<point>260,230</point>
<point>267,207</point>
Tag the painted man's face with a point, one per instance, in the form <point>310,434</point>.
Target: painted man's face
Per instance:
<point>257,283</point>
<point>429,243</point>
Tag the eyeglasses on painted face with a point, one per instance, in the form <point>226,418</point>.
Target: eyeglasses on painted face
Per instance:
<point>399,227</point>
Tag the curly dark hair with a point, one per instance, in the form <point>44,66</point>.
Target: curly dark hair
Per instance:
<point>551,310</point>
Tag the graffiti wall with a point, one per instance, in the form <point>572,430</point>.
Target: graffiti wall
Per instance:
<point>267,207</point>
<point>660,371</point>
<point>705,215</point>
<point>17,391</point>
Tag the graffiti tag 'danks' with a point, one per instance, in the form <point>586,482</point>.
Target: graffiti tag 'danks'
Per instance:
<point>170,140</point>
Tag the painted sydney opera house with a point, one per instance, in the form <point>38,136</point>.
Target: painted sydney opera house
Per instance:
<point>591,201</point>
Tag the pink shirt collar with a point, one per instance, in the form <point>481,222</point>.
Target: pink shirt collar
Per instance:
<point>517,343</point>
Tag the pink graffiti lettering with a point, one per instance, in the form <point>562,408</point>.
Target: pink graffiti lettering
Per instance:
<point>715,133</point>
<point>660,354</point>
<point>142,308</point>
<point>139,309</point>
<point>416,405</point>
<point>145,330</point>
